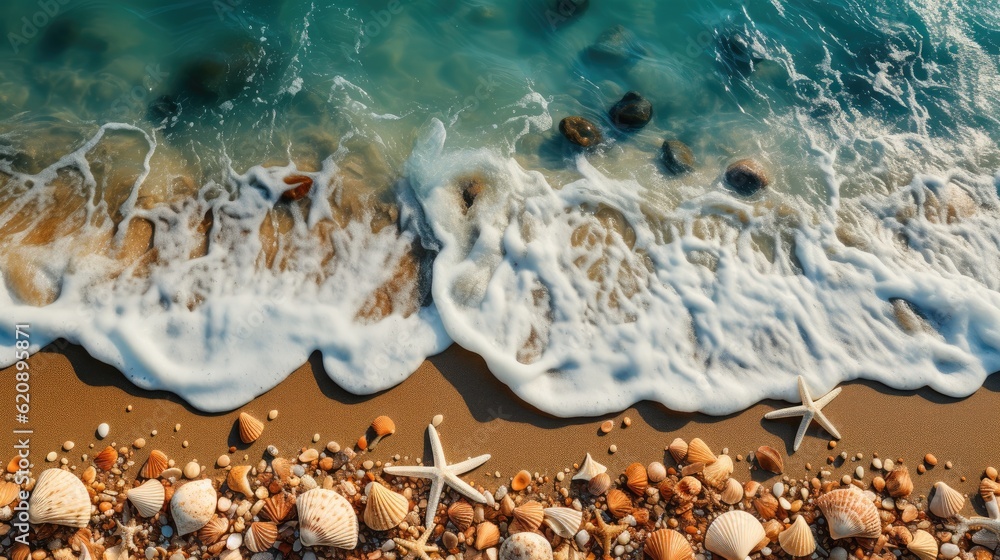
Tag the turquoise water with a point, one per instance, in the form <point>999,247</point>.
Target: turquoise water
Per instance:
<point>144,147</point>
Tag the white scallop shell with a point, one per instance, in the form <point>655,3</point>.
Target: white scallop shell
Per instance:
<point>589,469</point>
<point>924,546</point>
<point>60,498</point>
<point>717,473</point>
<point>147,497</point>
<point>947,502</point>
<point>385,509</point>
<point>798,539</point>
<point>326,519</point>
<point>563,521</point>
<point>679,449</point>
<point>733,492</point>
<point>192,505</point>
<point>526,546</point>
<point>734,534</point>
<point>849,514</point>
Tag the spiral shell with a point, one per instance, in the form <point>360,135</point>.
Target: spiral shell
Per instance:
<point>563,521</point>
<point>667,544</point>
<point>923,545</point>
<point>946,502</point>
<point>238,481</point>
<point>734,534</point>
<point>106,458</point>
<point>599,484</point>
<point>193,505</point>
<point>59,498</point>
<point>798,539</point>
<point>699,452</point>
<point>636,478</point>
<point>461,514</point>
<point>385,509</point>
<point>589,469</point>
<point>260,536</point>
<point>849,514</point>
<point>732,493</point>
<point>529,515</point>
<point>717,473</point>
<point>619,504</point>
<point>769,459</point>
<point>154,465</point>
<point>250,428</point>
<point>326,519</point>
<point>147,498</point>
<point>214,530</point>
<point>678,450</point>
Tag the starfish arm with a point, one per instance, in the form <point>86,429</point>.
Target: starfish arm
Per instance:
<point>822,420</point>
<point>464,488</point>
<point>804,395</point>
<point>432,500</point>
<point>412,472</point>
<point>828,397</point>
<point>786,412</point>
<point>803,426</point>
<point>436,448</point>
<point>468,464</point>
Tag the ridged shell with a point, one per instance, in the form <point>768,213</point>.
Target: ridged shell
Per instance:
<point>987,489</point>
<point>718,472</point>
<point>798,539</point>
<point>734,534</point>
<point>383,426</point>
<point>923,545</point>
<point>8,492</point>
<point>768,507</point>
<point>250,428</point>
<point>147,498</point>
<point>278,507</point>
<point>599,484</point>
<point>678,449</point>
<point>326,519</point>
<point>461,515</point>
<point>667,544</point>
<point>20,551</point>
<point>525,546</point>
<point>637,480</point>
<point>849,514</point>
<point>699,452</point>
<point>192,505</point>
<point>619,504</point>
<point>563,521</point>
<point>282,468</point>
<point>238,482</point>
<point>946,502</point>
<point>260,536</point>
<point>59,498</point>
<point>529,515</point>
<point>214,530</point>
<point>732,493</point>
<point>106,458</point>
<point>487,535</point>
<point>589,469</point>
<point>155,464</point>
<point>769,459</point>
<point>898,482</point>
<point>385,509</point>
<point>687,488</point>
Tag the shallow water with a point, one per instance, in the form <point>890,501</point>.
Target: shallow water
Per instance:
<point>144,149</point>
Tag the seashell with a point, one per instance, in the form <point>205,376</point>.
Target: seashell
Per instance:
<point>734,534</point>
<point>326,519</point>
<point>688,488</point>
<point>619,504</point>
<point>732,493</point>
<point>278,507</point>
<point>520,481</point>
<point>260,536</point>
<point>988,489</point>
<point>667,544</point>
<point>192,505</point>
<point>849,514</point>
<point>385,509</point>
<point>946,502</point>
<point>589,469</point>
<point>599,484</point>
<point>106,458</point>
<point>8,492</point>
<point>769,459</point>
<point>147,498</point>
<point>768,507</point>
<point>699,452</point>
<point>59,498</point>
<point>750,488</point>
<point>898,482</point>
<point>637,480</point>
<point>362,443</point>
<point>563,521</point>
<point>383,426</point>
<point>155,464</point>
<point>238,482</point>
<point>282,468</point>
<point>656,472</point>
<point>717,473</point>
<point>798,539</point>
<point>923,545</point>
<point>20,551</point>
<point>214,530</point>
<point>529,515</point>
<point>526,546</point>
<point>678,449</point>
<point>250,428</point>
<point>487,535</point>
<point>461,515</point>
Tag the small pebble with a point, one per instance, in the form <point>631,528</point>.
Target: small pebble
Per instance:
<point>103,430</point>
<point>128,408</point>
<point>315,438</point>
<point>843,455</point>
<point>832,444</point>
<point>948,465</point>
<point>877,464</point>
<point>167,531</point>
<point>436,421</point>
<point>222,461</point>
<point>177,427</point>
<point>607,426</point>
<point>859,456</point>
<point>859,472</point>
<point>368,465</point>
<point>68,445</point>
<point>139,443</point>
<point>184,444</point>
<point>888,465</point>
<point>949,551</point>
<point>613,449</point>
<point>992,473</point>
<point>153,433</point>
<point>626,421</point>
<point>272,415</point>
<point>272,451</point>
<point>51,456</point>
<point>332,447</point>
<point>921,469</point>
<point>192,470</point>
<point>930,459</point>
<point>846,479</point>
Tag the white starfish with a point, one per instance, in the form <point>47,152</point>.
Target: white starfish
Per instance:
<point>809,410</point>
<point>988,524</point>
<point>442,473</point>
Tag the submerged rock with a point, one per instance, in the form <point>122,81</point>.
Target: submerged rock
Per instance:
<point>741,51</point>
<point>615,46</point>
<point>561,12</point>
<point>677,157</point>
<point>633,111</point>
<point>747,176</point>
<point>580,131</point>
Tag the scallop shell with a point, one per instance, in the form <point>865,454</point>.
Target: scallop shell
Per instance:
<point>732,493</point>
<point>678,449</point>
<point>529,515</point>
<point>260,536</point>
<point>717,473</point>
<point>667,544</point>
<point>278,507</point>
<point>155,464</point>
<point>599,484</point>
<point>946,502</point>
<point>385,508</point>
<point>106,458</point>
<point>383,426</point>
<point>898,482</point>
<point>734,534</point>
<point>487,535</point>
<point>214,530</point>
<point>769,459</point>
<point>20,551</point>
<point>589,469</point>
<point>849,514</point>
<point>699,452</point>
<point>768,507</point>
<point>250,428</point>
<point>563,521</point>
<point>687,488</point>
<point>798,539</point>
<point>192,505</point>
<point>637,480</point>
<point>59,498</point>
<point>461,515</point>
<point>923,545</point>
<point>326,519</point>
<point>282,468</point>
<point>147,498</point>
<point>619,504</point>
<point>526,546</point>
<point>238,482</point>
<point>8,492</point>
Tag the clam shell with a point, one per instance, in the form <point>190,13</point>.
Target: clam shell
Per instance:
<point>250,428</point>
<point>988,489</point>
<point>636,478</point>
<point>717,473</point>
<point>667,544</point>
<point>619,504</point>
<point>699,452</point>
<point>599,484</point>
<point>8,492</point>
<point>461,514</point>
<point>526,546</point>
<point>687,488</point>
<point>923,545</point>
<point>260,536</point>
<point>383,426</point>
<point>192,505</point>
<point>238,482</point>
<point>798,539</point>
<point>106,458</point>
<point>849,514</point>
<point>278,507</point>
<point>214,530</point>
<point>898,482</point>
<point>678,449</point>
<point>155,464</point>
<point>147,498</point>
<point>769,459</point>
<point>529,515</point>
<point>326,519</point>
<point>589,469</point>
<point>734,534</point>
<point>385,509</point>
<point>59,498</point>
<point>732,492</point>
<point>487,535</point>
<point>946,502</point>
<point>563,521</point>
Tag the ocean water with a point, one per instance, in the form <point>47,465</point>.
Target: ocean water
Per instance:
<point>145,147</point>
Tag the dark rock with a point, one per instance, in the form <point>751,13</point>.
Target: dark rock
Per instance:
<point>747,176</point>
<point>741,51</point>
<point>615,46</point>
<point>580,131</point>
<point>471,187</point>
<point>632,112</point>
<point>162,108</point>
<point>561,12</point>
<point>677,157</point>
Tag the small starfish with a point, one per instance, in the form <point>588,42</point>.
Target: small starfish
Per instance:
<point>418,548</point>
<point>984,523</point>
<point>809,410</point>
<point>442,473</point>
<point>606,533</point>
<point>128,533</point>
